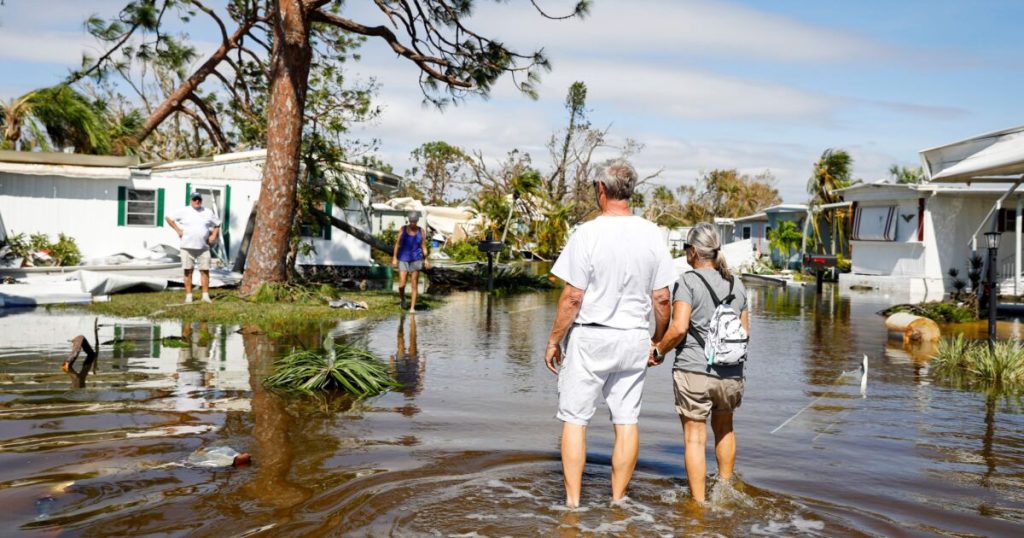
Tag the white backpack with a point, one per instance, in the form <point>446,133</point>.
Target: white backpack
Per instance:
<point>727,340</point>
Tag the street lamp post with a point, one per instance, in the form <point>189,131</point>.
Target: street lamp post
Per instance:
<point>992,238</point>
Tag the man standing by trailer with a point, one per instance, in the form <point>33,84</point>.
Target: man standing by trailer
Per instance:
<point>198,228</point>
<point>615,268</point>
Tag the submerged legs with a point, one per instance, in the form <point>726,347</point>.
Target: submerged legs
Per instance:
<point>725,444</point>
<point>574,456</point>
<point>696,437</point>
<point>624,455</point>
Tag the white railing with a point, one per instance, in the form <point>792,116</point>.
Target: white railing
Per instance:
<point>1006,269</point>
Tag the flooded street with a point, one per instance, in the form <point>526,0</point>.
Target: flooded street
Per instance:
<point>469,447</point>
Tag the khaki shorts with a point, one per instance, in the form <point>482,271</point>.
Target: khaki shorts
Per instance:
<point>195,259</point>
<point>699,396</point>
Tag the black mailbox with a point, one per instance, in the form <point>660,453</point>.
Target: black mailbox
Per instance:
<point>490,245</point>
<point>819,261</point>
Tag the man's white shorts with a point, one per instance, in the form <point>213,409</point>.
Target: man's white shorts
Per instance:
<point>601,361</point>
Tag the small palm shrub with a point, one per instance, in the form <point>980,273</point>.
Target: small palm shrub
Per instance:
<point>339,368</point>
<point>975,264</point>
<point>970,363</point>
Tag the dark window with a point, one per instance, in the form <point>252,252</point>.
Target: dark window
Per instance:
<point>746,232</point>
<point>140,208</point>
<point>1006,220</point>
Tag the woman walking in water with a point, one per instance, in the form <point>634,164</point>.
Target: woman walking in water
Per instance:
<point>410,256</point>
<point>709,330</point>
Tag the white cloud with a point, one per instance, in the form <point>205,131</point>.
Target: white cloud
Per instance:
<point>684,93</point>
<point>678,28</point>
<point>63,48</point>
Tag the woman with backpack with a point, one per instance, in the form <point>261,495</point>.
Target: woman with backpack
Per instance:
<point>709,331</point>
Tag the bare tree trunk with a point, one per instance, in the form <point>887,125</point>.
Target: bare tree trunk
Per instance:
<point>243,247</point>
<point>276,207</point>
<point>357,233</point>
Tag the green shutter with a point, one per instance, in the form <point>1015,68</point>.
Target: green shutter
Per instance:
<point>225,225</point>
<point>328,208</point>
<point>160,207</point>
<point>188,193</point>
<point>122,205</point>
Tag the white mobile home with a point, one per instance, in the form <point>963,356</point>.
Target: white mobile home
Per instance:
<point>113,204</point>
<point>905,238</point>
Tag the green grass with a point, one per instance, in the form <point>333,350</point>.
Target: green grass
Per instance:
<point>348,369</point>
<point>969,364</point>
<point>269,309</point>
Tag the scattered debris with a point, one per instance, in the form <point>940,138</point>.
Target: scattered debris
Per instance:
<point>222,456</point>
<point>78,345</point>
<point>912,328</point>
<point>348,305</point>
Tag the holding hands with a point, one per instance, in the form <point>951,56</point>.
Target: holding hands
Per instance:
<point>655,357</point>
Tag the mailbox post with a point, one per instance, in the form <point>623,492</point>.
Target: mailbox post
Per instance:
<point>819,262</point>
<point>490,246</point>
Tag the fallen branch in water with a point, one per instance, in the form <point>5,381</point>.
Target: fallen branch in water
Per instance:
<point>78,345</point>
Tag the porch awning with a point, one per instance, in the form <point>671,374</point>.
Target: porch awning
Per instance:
<point>987,158</point>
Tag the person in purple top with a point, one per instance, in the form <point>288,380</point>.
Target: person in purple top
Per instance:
<point>410,256</point>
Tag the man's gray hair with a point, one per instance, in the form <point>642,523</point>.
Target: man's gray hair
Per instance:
<point>619,178</point>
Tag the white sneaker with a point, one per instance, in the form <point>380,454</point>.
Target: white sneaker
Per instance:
<point>188,298</point>
<point>206,298</point>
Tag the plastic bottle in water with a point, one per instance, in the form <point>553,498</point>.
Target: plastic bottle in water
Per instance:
<point>221,456</point>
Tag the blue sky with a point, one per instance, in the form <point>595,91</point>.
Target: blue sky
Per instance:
<point>702,84</point>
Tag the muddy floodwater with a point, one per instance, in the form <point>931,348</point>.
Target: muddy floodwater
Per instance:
<point>469,447</point>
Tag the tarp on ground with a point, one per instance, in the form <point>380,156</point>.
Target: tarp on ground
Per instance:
<point>43,290</point>
<point>106,282</point>
<point>82,286</point>
<point>219,278</point>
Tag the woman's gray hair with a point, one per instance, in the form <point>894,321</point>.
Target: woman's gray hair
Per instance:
<point>619,178</point>
<point>707,244</point>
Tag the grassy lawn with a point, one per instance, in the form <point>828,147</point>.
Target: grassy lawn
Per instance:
<point>267,311</point>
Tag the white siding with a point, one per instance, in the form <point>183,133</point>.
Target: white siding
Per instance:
<point>86,208</point>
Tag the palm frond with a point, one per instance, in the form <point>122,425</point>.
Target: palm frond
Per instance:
<point>344,368</point>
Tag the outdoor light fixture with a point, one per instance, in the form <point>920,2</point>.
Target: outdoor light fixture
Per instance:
<point>993,239</point>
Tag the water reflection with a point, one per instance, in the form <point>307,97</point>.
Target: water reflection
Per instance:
<point>407,367</point>
<point>273,450</point>
<point>475,449</point>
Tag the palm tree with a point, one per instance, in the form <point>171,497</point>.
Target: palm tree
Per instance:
<point>831,173</point>
<point>785,238</point>
<point>54,118</point>
<point>906,174</point>
<point>523,187</point>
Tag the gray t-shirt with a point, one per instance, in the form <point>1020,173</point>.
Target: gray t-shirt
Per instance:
<point>690,290</point>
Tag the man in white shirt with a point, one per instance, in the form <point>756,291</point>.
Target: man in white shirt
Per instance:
<point>616,268</point>
<point>197,227</point>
